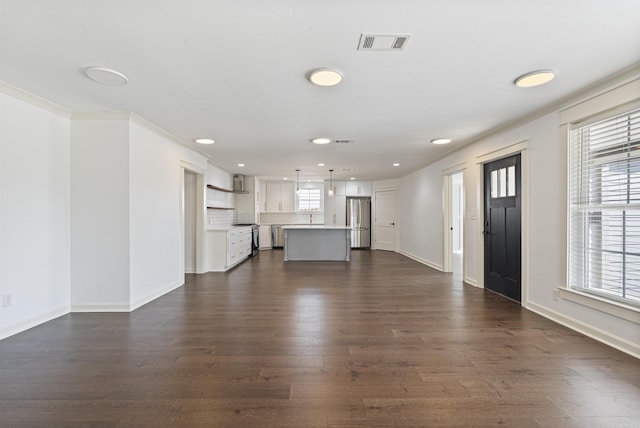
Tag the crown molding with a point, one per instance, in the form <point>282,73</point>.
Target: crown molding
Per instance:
<point>27,97</point>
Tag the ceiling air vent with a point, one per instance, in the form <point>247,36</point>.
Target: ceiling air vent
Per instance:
<point>382,42</point>
<point>344,141</point>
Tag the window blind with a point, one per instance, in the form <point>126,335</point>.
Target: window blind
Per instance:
<point>604,207</point>
<point>309,199</point>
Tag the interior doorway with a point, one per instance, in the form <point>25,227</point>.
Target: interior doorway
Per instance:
<point>190,219</point>
<point>457,223</point>
<point>454,224</point>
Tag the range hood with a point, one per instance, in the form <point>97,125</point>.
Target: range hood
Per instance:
<point>239,184</point>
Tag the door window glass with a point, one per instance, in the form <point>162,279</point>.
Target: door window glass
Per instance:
<point>503,182</point>
<point>494,183</point>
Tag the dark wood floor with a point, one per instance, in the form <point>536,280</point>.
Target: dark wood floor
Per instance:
<point>382,341</point>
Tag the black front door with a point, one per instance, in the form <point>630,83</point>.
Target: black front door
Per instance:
<point>502,261</point>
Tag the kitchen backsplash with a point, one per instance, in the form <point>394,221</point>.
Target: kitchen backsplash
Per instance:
<point>228,217</point>
<point>290,218</point>
<point>221,217</point>
<point>246,218</point>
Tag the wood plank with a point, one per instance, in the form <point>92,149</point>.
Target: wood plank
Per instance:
<point>381,341</point>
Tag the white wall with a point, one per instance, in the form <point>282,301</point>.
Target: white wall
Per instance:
<point>92,213</point>
<point>420,216</point>
<point>100,212</point>
<point>155,201</point>
<point>34,218</point>
<point>126,205</point>
<point>421,207</point>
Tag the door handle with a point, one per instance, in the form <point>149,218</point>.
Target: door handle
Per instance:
<point>486,232</point>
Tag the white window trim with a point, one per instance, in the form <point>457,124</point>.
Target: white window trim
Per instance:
<point>608,103</point>
<point>602,304</point>
<point>312,185</point>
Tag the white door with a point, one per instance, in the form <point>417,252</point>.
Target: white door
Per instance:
<point>385,221</point>
<point>453,222</point>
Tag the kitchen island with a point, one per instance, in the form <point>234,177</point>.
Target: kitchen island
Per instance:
<point>317,242</point>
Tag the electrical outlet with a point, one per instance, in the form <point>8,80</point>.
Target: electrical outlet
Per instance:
<point>556,295</point>
<point>7,300</point>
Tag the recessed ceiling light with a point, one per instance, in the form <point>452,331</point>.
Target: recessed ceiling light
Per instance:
<point>396,164</point>
<point>441,141</point>
<point>320,164</point>
<point>535,78</point>
<point>352,178</point>
<point>240,165</point>
<point>321,140</point>
<point>204,141</point>
<point>325,77</point>
<point>106,76</point>
<point>284,178</point>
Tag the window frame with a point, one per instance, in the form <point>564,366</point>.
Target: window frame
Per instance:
<point>317,186</point>
<point>621,307</point>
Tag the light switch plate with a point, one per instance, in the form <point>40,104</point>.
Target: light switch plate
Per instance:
<point>7,300</point>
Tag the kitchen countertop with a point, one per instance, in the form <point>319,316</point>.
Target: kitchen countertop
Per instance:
<point>314,226</point>
<point>228,227</point>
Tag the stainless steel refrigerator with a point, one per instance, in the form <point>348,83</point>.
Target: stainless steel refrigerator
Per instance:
<point>359,218</point>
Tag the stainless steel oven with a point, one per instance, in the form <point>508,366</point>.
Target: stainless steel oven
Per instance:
<point>255,241</point>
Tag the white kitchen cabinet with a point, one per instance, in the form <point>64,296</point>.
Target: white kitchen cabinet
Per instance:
<point>280,197</point>
<point>335,207</point>
<point>258,197</point>
<point>340,210</point>
<point>227,248</point>
<point>265,236</point>
<point>358,188</point>
<point>335,210</point>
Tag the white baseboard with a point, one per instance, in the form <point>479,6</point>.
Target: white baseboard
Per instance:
<point>127,307</point>
<point>21,326</point>
<point>471,282</point>
<point>154,295</point>
<point>100,308</point>
<point>423,261</point>
<point>607,338</point>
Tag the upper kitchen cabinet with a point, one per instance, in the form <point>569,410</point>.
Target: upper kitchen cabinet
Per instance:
<point>358,188</point>
<point>280,197</point>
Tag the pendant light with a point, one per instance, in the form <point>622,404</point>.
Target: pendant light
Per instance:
<point>297,181</point>
<point>330,182</point>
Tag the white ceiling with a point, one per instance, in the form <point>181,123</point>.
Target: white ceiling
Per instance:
<point>234,70</point>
